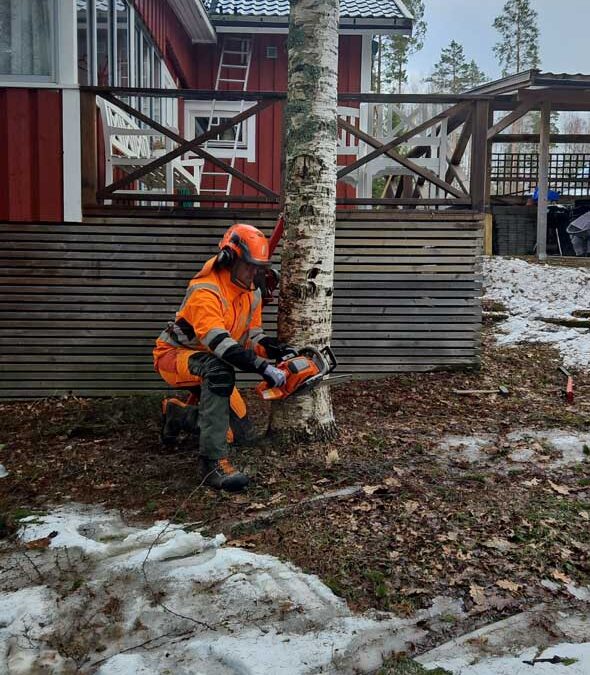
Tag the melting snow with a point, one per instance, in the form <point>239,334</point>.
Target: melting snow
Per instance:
<point>531,292</point>
<point>96,601</point>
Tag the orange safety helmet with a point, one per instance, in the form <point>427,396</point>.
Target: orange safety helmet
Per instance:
<point>246,243</point>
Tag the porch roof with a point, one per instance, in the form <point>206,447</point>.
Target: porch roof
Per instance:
<point>359,14</point>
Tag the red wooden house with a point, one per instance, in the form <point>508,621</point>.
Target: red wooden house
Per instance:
<point>49,48</point>
<point>96,98</point>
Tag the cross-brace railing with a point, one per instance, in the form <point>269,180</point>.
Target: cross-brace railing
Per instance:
<point>407,156</point>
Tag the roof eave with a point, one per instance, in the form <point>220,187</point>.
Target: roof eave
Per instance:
<point>377,25</point>
<point>195,20</point>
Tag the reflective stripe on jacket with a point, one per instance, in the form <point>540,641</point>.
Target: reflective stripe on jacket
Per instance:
<point>215,314</point>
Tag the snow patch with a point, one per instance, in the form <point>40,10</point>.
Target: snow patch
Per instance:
<point>531,292</point>
<point>194,606</point>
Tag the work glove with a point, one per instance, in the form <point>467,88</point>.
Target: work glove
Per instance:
<point>274,376</point>
<point>277,350</point>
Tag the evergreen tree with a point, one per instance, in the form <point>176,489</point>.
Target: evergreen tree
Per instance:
<point>394,51</point>
<point>518,47</point>
<point>452,74</point>
<point>474,76</point>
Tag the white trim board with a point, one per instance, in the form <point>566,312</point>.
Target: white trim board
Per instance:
<point>72,156</point>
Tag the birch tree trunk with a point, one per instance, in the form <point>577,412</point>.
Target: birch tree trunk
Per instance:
<point>307,265</point>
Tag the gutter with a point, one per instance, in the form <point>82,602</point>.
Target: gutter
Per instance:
<point>397,24</point>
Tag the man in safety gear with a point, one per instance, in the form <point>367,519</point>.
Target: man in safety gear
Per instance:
<point>219,328</point>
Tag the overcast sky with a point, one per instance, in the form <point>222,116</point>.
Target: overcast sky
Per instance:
<point>564,27</point>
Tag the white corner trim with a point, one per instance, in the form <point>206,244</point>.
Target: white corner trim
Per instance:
<point>404,10</point>
<point>72,156</point>
<point>67,42</point>
<point>366,62</point>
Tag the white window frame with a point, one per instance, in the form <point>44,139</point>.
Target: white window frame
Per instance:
<point>222,149</point>
<point>55,49</point>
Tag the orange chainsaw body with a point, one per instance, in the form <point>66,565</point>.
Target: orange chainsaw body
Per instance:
<point>302,372</point>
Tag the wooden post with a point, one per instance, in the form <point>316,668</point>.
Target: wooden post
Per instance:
<point>89,147</point>
<point>479,155</point>
<point>488,234</point>
<point>543,182</point>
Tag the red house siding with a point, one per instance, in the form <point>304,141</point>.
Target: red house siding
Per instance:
<point>31,186</point>
<point>271,75</point>
<point>171,39</point>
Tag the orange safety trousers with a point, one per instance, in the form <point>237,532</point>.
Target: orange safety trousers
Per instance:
<point>172,365</point>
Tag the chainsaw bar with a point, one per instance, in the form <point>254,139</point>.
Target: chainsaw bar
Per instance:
<point>323,382</point>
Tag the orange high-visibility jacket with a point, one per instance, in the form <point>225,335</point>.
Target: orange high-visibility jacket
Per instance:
<point>217,316</point>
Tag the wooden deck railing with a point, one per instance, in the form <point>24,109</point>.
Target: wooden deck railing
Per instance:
<point>379,137</point>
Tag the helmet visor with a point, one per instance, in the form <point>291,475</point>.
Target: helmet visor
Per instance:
<point>244,273</point>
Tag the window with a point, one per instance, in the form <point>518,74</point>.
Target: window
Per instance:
<point>198,114</point>
<point>106,53</point>
<point>27,40</point>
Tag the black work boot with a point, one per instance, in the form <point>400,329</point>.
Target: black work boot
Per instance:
<point>177,416</point>
<point>221,475</point>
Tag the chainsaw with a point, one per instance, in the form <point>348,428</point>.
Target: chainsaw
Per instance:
<point>306,370</point>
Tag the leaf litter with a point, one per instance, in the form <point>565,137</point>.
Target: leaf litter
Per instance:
<point>489,533</point>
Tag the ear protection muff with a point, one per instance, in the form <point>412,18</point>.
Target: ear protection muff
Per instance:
<point>225,257</point>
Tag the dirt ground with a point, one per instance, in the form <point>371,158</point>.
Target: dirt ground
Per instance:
<point>418,526</point>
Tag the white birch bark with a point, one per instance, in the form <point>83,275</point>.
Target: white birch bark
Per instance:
<point>307,266</point>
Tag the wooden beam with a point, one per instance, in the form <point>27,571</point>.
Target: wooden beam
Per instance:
<point>459,150</point>
<point>460,177</point>
<point>404,161</point>
<point>522,109</point>
<point>381,149</point>
<point>185,146</point>
<point>479,155</point>
<point>165,197</point>
<point>543,183</point>
<point>419,201</point>
<point>208,94</point>
<point>89,165</point>
<point>536,138</point>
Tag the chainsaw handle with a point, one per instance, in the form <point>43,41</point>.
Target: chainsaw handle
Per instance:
<point>330,357</point>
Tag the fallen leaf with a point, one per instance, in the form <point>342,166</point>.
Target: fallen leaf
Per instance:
<point>256,506</point>
<point>498,543</point>
<point>390,481</point>
<point>332,458</point>
<point>507,585</point>
<point>411,506</point>
<point>363,506</point>
<point>531,483</point>
<point>584,515</point>
<point>371,489</point>
<point>42,542</point>
<point>560,576</point>
<point>560,489</point>
<point>477,594</point>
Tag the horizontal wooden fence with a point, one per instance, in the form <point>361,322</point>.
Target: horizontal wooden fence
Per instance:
<point>81,304</point>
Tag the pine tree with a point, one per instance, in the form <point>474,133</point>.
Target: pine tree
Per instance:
<point>518,47</point>
<point>474,76</point>
<point>397,49</point>
<point>452,74</point>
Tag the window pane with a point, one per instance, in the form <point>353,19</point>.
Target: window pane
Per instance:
<point>102,41</point>
<point>26,37</point>
<point>83,62</point>
<point>146,58</point>
<point>227,138</point>
<point>122,44</point>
